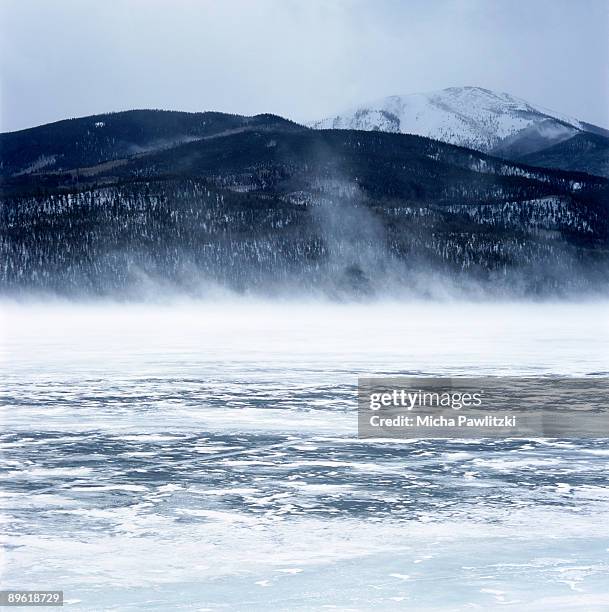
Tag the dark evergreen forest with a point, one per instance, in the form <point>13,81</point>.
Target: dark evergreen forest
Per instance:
<point>149,202</point>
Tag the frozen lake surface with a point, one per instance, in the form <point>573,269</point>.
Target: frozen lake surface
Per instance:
<point>204,457</point>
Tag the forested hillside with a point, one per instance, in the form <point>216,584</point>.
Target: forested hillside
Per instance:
<point>282,209</point>
<point>91,140</point>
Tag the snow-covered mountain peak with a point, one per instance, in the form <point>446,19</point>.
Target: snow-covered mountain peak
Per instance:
<point>467,116</point>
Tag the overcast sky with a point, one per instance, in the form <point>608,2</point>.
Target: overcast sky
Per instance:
<point>303,59</point>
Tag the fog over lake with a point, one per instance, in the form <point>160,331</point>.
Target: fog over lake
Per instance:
<point>161,455</point>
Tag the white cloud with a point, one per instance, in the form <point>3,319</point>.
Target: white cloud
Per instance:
<point>299,58</point>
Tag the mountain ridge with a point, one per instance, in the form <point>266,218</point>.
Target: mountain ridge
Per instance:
<point>473,117</point>
<point>86,141</point>
<point>341,213</point>
<point>469,116</point>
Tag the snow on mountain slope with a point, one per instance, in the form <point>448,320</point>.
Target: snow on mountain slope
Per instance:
<point>467,116</point>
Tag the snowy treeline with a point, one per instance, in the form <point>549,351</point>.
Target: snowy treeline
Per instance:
<point>188,234</point>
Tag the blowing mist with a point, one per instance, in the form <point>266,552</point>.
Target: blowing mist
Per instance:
<point>196,308</point>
